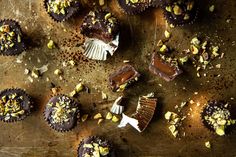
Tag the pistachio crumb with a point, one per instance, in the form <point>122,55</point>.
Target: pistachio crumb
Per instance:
<point>109,116</point>
<point>212,8</point>
<point>100,121</point>
<point>104,96</point>
<point>84,117</point>
<point>208,144</point>
<point>167,34</point>
<point>97,116</point>
<point>51,44</point>
<point>115,119</point>
<point>57,72</point>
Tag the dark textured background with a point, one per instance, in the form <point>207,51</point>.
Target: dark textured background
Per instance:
<point>139,35</point>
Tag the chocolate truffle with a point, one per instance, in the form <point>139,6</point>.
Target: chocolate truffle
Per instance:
<point>61,10</point>
<point>217,117</point>
<point>61,113</point>
<point>165,67</point>
<point>15,105</point>
<point>11,38</point>
<point>101,29</point>
<point>133,6</point>
<point>180,12</point>
<point>123,77</point>
<point>94,146</point>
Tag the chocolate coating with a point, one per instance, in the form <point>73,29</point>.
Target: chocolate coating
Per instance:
<point>83,146</point>
<point>133,8</point>
<point>15,105</point>
<point>19,45</point>
<point>61,113</point>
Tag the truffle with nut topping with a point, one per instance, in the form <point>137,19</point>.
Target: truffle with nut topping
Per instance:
<point>94,146</point>
<point>61,10</point>
<point>180,12</point>
<point>101,29</point>
<point>11,38</point>
<point>61,113</point>
<point>133,6</point>
<point>217,117</point>
<point>15,105</point>
<point>101,25</point>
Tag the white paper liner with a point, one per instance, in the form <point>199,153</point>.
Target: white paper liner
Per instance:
<point>116,107</point>
<point>140,109</point>
<point>98,50</point>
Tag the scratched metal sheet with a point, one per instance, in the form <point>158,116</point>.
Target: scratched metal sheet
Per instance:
<point>139,35</point>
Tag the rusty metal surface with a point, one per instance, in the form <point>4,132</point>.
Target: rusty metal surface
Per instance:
<point>139,35</point>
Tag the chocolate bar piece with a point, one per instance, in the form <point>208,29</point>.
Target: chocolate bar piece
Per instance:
<point>165,68</point>
<point>121,78</point>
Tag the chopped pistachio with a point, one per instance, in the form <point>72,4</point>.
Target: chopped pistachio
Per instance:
<point>103,150</point>
<point>215,49</point>
<point>194,49</point>
<point>186,17</point>
<point>35,73</point>
<point>220,130</point>
<point>159,43</point>
<point>163,48</point>
<point>218,66</point>
<point>177,10</point>
<point>167,34</point>
<point>57,72</point>
<point>87,145</point>
<point>107,16</point>
<point>73,93</point>
<point>195,41</point>
<point>84,117</point>
<point>126,61</point>
<point>101,2</point>
<point>115,119</point>
<point>168,115</point>
<point>72,63</point>
<point>211,8</point>
<point>183,59</point>
<point>208,144</point>
<point>97,116</point>
<point>104,96</point>
<point>168,8</point>
<point>51,44</point>
<point>100,121</point>
<point>109,116</point>
<point>79,87</point>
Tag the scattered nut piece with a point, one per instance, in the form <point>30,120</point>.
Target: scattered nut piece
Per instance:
<point>126,61</point>
<point>218,66</point>
<point>26,71</point>
<point>35,73</point>
<point>163,48</point>
<point>57,72</point>
<point>72,63</point>
<point>73,93</point>
<point>167,34</point>
<point>211,8</point>
<point>104,96</point>
<point>115,119</point>
<point>79,87</point>
<point>208,144</point>
<point>84,117</point>
<point>100,121</point>
<point>97,116</point>
<point>109,116</point>
<point>159,43</point>
<point>51,44</point>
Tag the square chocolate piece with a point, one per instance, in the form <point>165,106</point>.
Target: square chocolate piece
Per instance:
<point>165,68</point>
<point>123,77</point>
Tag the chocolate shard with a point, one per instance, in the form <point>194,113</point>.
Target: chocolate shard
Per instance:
<point>143,115</point>
<point>123,77</point>
<point>165,68</point>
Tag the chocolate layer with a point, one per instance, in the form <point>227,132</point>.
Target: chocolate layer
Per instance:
<point>121,78</point>
<point>68,10</point>
<point>101,25</point>
<point>95,146</point>
<point>15,105</point>
<point>167,70</point>
<point>61,113</point>
<point>180,12</point>
<point>131,7</point>
<point>11,41</point>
